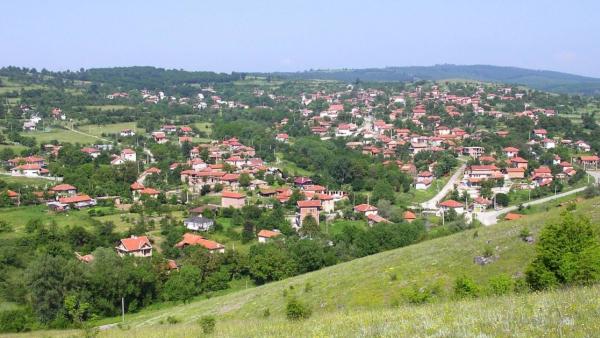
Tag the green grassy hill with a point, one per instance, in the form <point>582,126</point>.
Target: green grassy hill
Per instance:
<point>366,296</point>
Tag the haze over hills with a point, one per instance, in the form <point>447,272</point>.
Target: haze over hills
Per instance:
<point>539,79</point>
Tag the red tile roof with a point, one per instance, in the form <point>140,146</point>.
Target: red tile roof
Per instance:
<point>63,187</point>
<point>364,208</point>
<point>231,194</point>
<point>75,199</point>
<point>193,239</point>
<point>135,243</point>
<point>409,215</point>
<point>268,233</point>
<point>309,204</point>
<point>451,204</point>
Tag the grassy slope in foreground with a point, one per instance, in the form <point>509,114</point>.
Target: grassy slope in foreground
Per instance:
<point>364,290</point>
<point>366,283</point>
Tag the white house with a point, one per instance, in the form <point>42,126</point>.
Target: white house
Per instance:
<point>198,223</point>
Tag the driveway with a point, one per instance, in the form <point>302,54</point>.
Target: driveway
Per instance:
<point>455,179</point>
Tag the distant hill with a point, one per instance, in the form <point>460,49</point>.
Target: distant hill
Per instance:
<point>539,79</point>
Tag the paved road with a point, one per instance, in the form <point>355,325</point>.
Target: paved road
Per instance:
<point>455,179</point>
<point>491,217</point>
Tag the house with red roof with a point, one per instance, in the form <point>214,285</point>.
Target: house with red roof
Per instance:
<point>424,180</point>
<point>232,199</point>
<point>519,162</point>
<point>452,205</point>
<point>540,133</point>
<point>190,239</point>
<point>589,161</point>
<point>309,207</point>
<point>515,173</point>
<point>138,246</point>
<point>92,152</point>
<point>511,152</point>
<point>366,209</point>
<point>29,170</point>
<point>480,204</point>
<point>63,190</point>
<point>409,216</point>
<point>283,137</point>
<point>77,201</point>
<point>375,219</point>
<point>266,235</point>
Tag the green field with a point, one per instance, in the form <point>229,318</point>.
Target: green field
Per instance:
<point>108,107</point>
<point>17,148</point>
<point>115,128</point>
<point>9,86</point>
<point>204,126</point>
<point>61,135</point>
<point>39,182</point>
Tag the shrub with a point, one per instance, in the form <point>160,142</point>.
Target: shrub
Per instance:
<point>567,253</point>
<point>208,324</point>
<point>15,321</point>
<point>488,251</point>
<point>465,287</point>
<point>172,320</point>
<point>500,285</point>
<point>416,295</point>
<point>296,310</point>
<point>267,313</point>
<point>308,287</point>
<point>524,233</point>
<point>5,227</point>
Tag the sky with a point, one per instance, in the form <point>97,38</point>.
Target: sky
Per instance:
<point>294,35</point>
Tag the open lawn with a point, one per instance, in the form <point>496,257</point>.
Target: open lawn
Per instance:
<point>115,128</point>
<point>290,167</point>
<point>39,182</point>
<point>337,226</point>
<point>61,135</point>
<point>108,107</point>
<point>17,148</point>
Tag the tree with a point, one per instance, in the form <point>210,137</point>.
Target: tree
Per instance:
<point>44,278</point>
<point>310,227</point>
<point>568,252</point>
<point>270,262</point>
<point>383,191</point>
<point>182,285</point>
<point>244,180</point>
<point>502,199</point>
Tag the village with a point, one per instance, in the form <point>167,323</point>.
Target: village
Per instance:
<point>397,132</point>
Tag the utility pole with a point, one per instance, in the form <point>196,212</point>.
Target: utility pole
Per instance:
<point>123,309</point>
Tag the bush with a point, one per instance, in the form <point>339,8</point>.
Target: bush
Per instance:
<point>208,324</point>
<point>267,313</point>
<point>5,227</point>
<point>296,310</point>
<point>172,320</point>
<point>500,285</point>
<point>465,287</point>
<point>416,295</point>
<point>567,253</point>
<point>488,251</point>
<point>524,233</point>
<point>15,321</point>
